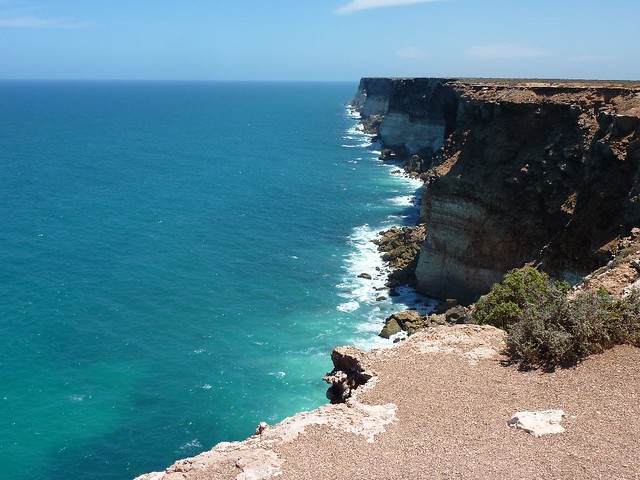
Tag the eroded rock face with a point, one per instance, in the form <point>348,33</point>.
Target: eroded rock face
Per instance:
<point>524,173</point>
<point>349,373</point>
<point>412,134</point>
<point>542,182</point>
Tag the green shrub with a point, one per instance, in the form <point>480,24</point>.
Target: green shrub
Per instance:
<point>545,327</point>
<point>560,332</point>
<point>534,341</point>
<point>504,304</point>
<point>624,322</point>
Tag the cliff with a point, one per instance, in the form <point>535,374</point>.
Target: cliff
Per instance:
<point>414,115</point>
<point>516,172</point>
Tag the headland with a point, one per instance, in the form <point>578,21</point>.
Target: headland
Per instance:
<point>517,172</point>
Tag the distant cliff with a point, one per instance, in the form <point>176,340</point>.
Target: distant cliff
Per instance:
<point>412,116</point>
<point>517,172</point>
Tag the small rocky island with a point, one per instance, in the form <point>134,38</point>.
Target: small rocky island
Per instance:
<point>537,174</point>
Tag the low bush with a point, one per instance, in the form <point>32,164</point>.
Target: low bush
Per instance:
<point>547,328</point>
<point>504,305</point>
<point>624,322</point>
<point>561,331</point>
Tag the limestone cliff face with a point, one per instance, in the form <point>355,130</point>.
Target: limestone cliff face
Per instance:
<point>415,114</point>
<point>517,172</point>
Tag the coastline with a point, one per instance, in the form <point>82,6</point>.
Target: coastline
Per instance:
<point>372,296</point>
<point>238,277</point>
<point>444,395</point>
<point>367,287</point>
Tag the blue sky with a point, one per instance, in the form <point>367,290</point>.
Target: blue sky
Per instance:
<point>318,39</point>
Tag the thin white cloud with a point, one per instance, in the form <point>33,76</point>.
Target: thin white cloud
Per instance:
<point>356,5</point>
<point>503,51</point>
<point>35,22</point>
<point>411,52</point>
<point>591,58</point>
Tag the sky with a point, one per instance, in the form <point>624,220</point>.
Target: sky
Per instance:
<point>341,40</point>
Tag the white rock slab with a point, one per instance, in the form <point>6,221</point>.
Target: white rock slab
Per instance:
<point>538,423</point>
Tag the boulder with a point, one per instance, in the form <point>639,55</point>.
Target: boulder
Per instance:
<point>458,315</point>
<point>415,164</point>
<point>442,307</point>
<point>409,321</point>
<point>437,319</point>
<point>391,327</point>
<point>393,154</point>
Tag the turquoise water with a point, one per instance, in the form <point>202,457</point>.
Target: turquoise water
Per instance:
<point>178,261</point>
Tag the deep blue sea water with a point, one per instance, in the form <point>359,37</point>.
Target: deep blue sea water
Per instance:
<point>177,262</point>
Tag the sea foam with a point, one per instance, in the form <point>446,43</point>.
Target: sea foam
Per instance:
<point>363,287</point>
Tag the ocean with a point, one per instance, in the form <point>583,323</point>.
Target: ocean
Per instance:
<point>178,261</point>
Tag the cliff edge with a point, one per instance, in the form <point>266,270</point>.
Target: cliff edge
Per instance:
<point>438,405</point>
<point>517,172</point>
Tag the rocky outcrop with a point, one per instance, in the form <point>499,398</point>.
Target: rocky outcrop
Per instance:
<point>349,372</point>
<point>410,321</point>
<point>438,408</point>
<point>256,458</point>
<point>619,277</point>
<point>400,247</point>
<point>261,455</point>
<point>520,172</point>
